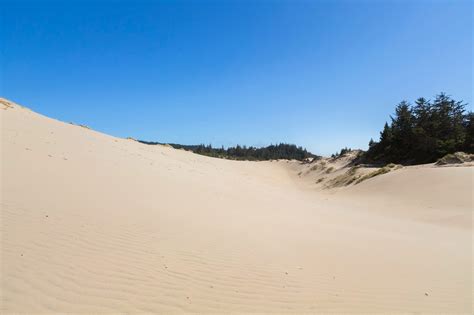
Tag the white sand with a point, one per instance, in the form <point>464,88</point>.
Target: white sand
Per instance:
<point>93,223</point>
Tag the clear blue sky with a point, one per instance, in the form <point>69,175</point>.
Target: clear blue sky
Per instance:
<point>321,74</point>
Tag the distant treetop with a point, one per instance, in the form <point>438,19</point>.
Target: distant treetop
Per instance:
<point>271,152</point>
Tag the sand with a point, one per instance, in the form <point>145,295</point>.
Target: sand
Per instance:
<point>91,223</point>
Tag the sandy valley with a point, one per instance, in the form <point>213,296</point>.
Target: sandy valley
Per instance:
<point>92,223</point>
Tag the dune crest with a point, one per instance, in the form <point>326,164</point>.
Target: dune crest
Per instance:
<point>94,223</point>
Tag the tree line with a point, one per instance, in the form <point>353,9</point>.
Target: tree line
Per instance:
<point>341,153</point>
<point>424,132</point>
<point>418,133</point>
<point>271,152</point>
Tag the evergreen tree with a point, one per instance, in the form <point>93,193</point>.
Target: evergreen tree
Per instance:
<point>424,132</point>
<point>469,127</point>
<point>384,147</point>
<point>402,132</point>
<point>425,143</point>
<point>448,118</point>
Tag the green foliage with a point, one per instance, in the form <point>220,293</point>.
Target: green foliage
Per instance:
<point>271,152</point>
<point>341,153</point>
<point>424,132</point>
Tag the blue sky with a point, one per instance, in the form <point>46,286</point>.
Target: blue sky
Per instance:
<point>321,74</point>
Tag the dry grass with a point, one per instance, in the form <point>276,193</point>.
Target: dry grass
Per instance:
<point>384,170</point>
<point>329,170</point>
<point>320,165</point>
<point>455,158</point>
<point>345,179</point>
<point>6,104</point>
<point>320,180</point>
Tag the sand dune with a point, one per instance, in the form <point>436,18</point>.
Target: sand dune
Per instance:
<point>92,223</point>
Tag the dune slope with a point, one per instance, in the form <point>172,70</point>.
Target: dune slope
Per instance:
<point>93,223</point>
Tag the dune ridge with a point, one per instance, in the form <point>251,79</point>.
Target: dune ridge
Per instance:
<point>93,223</point>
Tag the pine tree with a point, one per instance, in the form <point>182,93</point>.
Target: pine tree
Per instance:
<point>469,127</point>
<point>448,117</point>
<point>425,144</point>
<point>425,132</point>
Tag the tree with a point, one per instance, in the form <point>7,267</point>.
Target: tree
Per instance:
<point>424,132</point>
<point>402,130</point>
<point>469,127</point>
<point>425,144</point>
<point>448,118</point>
